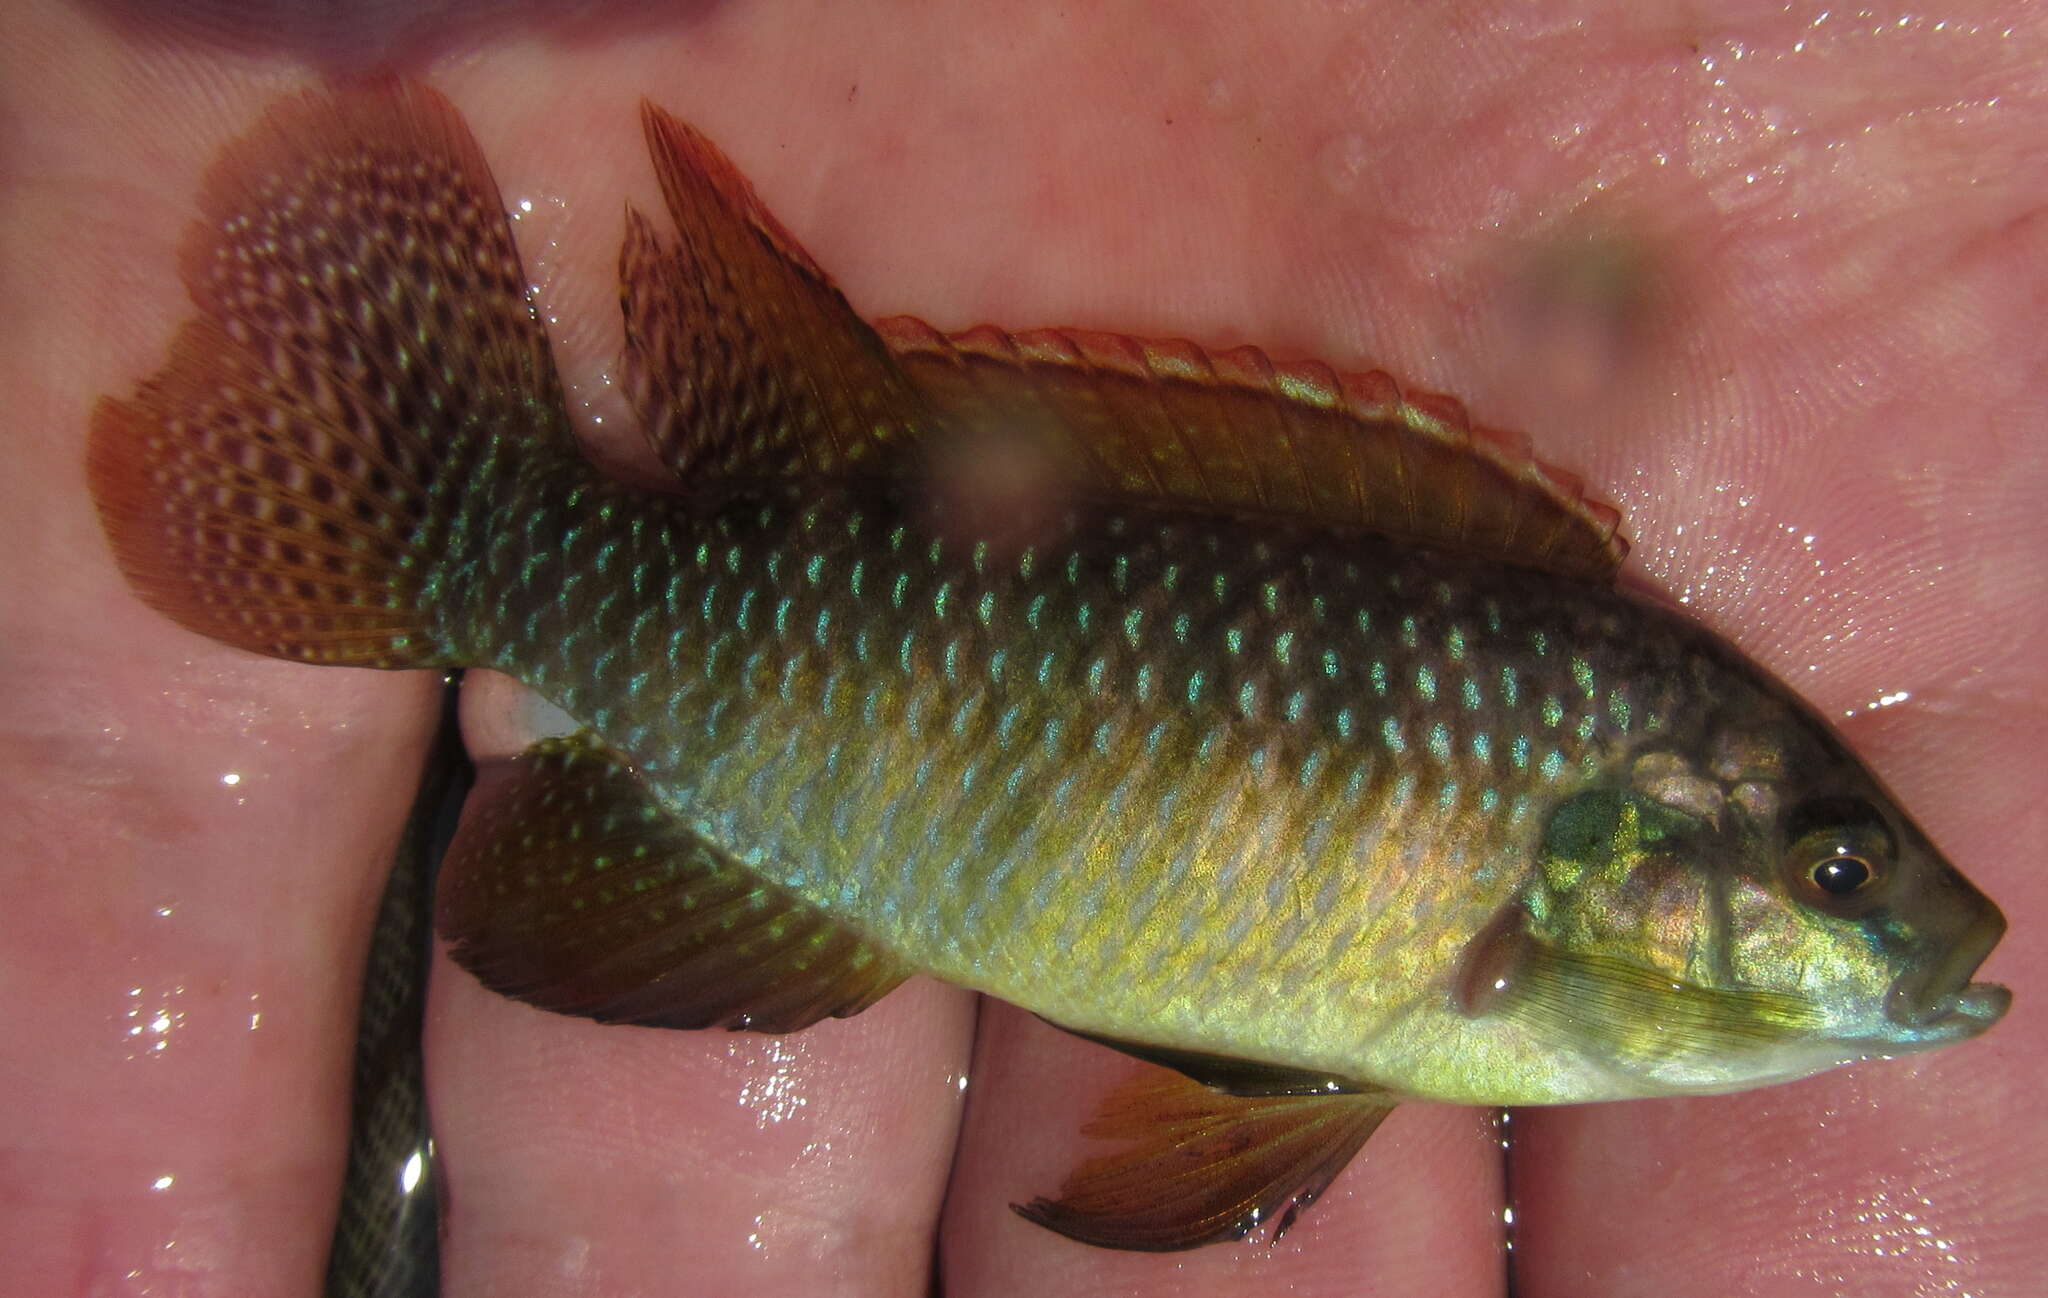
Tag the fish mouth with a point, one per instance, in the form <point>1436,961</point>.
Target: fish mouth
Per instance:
<point>1940,1003</point>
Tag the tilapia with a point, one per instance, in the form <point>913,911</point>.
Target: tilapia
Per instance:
<point>1264,722</point>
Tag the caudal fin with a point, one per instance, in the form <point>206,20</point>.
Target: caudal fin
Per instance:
<point>363,373</point>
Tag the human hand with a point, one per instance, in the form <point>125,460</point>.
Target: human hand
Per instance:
<point>1693,275</point>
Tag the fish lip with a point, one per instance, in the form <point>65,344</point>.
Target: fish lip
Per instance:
<point>1970,1012</point>
<point>1927,998</point>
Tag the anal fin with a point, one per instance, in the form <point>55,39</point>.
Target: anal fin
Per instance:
<point>1200,1166</point>
<point>570,888</point>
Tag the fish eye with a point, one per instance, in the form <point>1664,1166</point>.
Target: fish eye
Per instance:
<point>1842,875</point>
<point>1839,854</point>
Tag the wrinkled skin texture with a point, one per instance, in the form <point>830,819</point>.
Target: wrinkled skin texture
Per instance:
<point>1774,284</point>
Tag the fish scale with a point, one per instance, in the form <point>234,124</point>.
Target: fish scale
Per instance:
<point>1258,720</point>
<point>770,647</point>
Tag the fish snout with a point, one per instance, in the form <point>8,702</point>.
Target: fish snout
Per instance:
<point>1938,998</point>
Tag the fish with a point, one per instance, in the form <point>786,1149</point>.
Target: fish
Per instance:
<point>1277,726</point>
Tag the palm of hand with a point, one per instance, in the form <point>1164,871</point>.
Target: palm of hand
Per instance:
<point>1776,287</point>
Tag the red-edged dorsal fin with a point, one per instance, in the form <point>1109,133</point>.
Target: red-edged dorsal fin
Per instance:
<point>742,357</point>
<point>570,888</point>
<point>744,360</point>
<point>1201,1166</point>
<point>1237,431</point>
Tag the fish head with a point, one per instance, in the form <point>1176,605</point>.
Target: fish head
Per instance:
<point>1755,911</point>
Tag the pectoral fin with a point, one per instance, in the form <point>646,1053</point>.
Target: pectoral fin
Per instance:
<point>572,889</point>
<point>1200,1166</point>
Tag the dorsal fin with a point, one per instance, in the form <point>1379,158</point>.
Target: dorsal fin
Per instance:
<point>1234,430</point>
<point>742,357</point>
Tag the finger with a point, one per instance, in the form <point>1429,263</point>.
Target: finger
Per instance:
<point>193,834</point>
<point>589,1160</point>
<point>1417,1211</point>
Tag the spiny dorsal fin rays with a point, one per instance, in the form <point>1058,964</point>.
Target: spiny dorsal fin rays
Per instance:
<point>1198,1166</point>
<point>742,357</point>
<point>570,888</point>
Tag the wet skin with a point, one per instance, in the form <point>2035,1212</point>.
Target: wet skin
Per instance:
<point>1783,308</point>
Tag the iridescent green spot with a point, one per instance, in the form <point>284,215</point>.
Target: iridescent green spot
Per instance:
<point>1347,722</point>
<point>1455,643</point>
<point>822,628</point>
<point>1510,687</point>
<point>1099,741</point>
<point>899,590</point>
<point>906,652</point>
<point>704,554</point>
<point>1586,726</point>
<point>1098,671</point>
<point>1489,799</point>
<point>1120,574</point>
<point>1582,675</point>
<point>814,569</point>
<point>782,615</point>
<point>1034,611</point>
<point>1425,684</point>
<point>1482,746</point>
<point>1181,625</point>
<point>935,552</point>
<point>1411,634</point>
<point>979,556</point>
<point>985,608</point>
<point>744,617</point>
<point>1618,708</point>
<point>1539,644</point>
<point>1248,700</point>
<point>1553,764</point>
<point>1468,694</point>
<point>1297,705</point>
<point>898,536</point>
<point>1311,770</point>
<point>1219,585</point>
<point>1170,578</point>
<point>1447,797</point>
<point>941,598</point>
<point>733,556</point>
<point>1195,684</point>
<point>952,661</point>
<point>1027,563</point>
<point>1073,568</point>
<point>1283,648</point>
<point>857,576</point>
<point>1233,641</point>
<point>1045,667</point>
<point>1084,613</point>
<point>1390,735</point>
<point>995,665</point>
<point>1440,742</point>
<point>1134,622</point>
<point>1269,596</point>
<point>1379,679</point>
<point>1553,710</point>
<point>1364,622</point>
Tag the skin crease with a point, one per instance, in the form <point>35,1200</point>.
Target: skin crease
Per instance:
<point>1773,281</point>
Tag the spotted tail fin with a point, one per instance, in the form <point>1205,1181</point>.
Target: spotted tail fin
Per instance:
<point>363,367</point>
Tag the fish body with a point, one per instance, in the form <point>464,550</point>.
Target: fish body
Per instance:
<point>1263,722</point>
